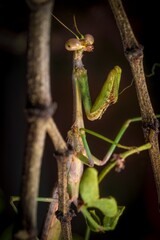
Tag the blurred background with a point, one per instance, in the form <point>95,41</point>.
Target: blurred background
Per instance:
<point>133,187</point>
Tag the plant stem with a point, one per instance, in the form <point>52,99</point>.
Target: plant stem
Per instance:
<point>39,111</point>
<point>87,233</point>
<point>63,203</point>
<point>134,54</point>
<point>39,108</point>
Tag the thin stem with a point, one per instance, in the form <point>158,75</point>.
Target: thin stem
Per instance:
<point>87,233</point>
<point>153,70</point>
<point>62,202</point>
<point>136,150</point>
<point>55,136</point>
<point>86,213</point>
<point>121,157</point>
<point>106,170</point>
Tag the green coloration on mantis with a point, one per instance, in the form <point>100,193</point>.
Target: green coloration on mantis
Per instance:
<point>77,138</point>
<point>109,91</point>
<point>88,184</point>
<point>107,96</point>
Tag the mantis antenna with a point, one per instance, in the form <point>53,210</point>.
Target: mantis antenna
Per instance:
<point>76,27</point>
<point>75,24</point>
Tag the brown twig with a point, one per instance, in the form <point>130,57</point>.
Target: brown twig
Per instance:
<point>134,54</point>
<point>52,228</point>
<point>63,207</point>
<point>52,224</point>
<point>39,112</point>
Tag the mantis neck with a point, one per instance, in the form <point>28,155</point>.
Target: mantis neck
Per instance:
<point>77,101</point>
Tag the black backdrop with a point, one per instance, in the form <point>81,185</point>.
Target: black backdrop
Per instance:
<point>134,187</point>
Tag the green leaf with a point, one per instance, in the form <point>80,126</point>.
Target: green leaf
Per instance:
<point>95,216</point>
<point>89,189</point>
<point>92,220</point>
<point>94,227</point>
<point>110,223</point>
<point>108,206</point>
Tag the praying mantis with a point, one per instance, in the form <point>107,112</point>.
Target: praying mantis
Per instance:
<point>107,96</point>
<point>77,135</point>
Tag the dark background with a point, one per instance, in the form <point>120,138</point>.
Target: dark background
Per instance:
<point>134,187</point>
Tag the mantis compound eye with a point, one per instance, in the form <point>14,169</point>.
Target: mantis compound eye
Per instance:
<point>89,39</point>
<point>73,44</point>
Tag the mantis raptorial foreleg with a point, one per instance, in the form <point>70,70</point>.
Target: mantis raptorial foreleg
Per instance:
<point>109,92</point>
<point>108,95</point>
<point>77,139</point>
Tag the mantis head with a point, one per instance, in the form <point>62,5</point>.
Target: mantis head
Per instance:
<point>83,42</point>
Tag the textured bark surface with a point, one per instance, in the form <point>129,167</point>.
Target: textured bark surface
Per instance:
<point>134,54</point>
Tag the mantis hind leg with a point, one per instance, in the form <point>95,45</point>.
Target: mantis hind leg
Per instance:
<point>115,143</point>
